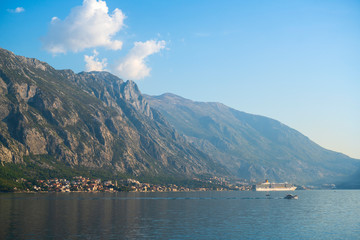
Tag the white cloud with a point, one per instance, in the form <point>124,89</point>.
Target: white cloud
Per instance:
<point>17,10</point>
<point>133,66</point>
<point>93,63</point>
<point>54,19</point>
<point>87,26</point>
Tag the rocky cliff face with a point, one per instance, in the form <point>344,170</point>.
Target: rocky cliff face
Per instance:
<point>91,119</point>
<point>251,146</point>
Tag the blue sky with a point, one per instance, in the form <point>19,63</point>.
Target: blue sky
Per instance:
<point>294,61</point>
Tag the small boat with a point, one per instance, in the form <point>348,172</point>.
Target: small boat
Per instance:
<point>290,196</point>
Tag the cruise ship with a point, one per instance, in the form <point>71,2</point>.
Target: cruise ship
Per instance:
<point>267,186</point>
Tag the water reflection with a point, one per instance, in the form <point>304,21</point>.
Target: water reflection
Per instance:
<point>75,215</point>
<point>227,215</point>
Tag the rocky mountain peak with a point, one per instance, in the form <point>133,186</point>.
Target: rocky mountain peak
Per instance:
<point>112,90</point>
<point>15,61</point>
<point>132,94</point>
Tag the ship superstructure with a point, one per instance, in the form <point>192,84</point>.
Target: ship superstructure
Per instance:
<point>267,186</point>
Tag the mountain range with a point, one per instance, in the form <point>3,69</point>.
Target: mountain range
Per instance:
<point>92,120</point>
<point>252,146</point>
<point>96,121</point>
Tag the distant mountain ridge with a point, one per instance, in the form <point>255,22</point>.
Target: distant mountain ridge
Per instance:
<point>96,121</point>
<point>251,146</point>
<point>93,120</point>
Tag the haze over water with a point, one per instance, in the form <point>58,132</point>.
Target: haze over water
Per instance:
<point>190,215</point>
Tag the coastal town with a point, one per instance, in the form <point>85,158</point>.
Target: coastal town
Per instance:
<point>84,184</point>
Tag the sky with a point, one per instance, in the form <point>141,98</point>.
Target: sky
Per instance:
<point>294,61</point>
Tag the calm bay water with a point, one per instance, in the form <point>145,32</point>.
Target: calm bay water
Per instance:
<point>192,215</point>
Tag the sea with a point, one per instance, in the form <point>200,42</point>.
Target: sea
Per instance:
<point>317,214</point>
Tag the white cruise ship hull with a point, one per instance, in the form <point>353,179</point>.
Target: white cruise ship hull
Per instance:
<point>275,189</point>
<point>267,186</point>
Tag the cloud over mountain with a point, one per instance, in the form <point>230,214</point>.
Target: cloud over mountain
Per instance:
<point>87,26</point>
<point>133,66</point>
<point>93,63</point>
<point>90,26</point>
